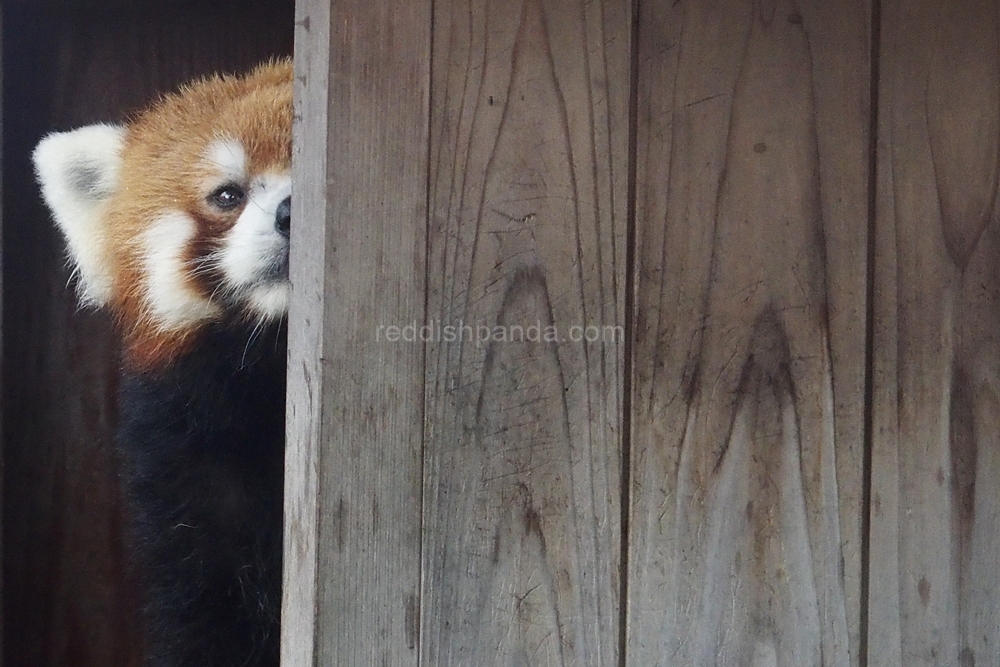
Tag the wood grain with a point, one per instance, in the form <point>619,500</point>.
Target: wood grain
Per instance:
<point>68,599</point>
<point>355,421</point>
<point>747,437</point>
<point>528,178</point>
<point>935,503</point>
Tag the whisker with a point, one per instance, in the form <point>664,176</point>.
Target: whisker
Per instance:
<point>253,334</point>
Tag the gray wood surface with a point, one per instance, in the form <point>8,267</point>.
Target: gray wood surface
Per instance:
<point>747,423</point>
<point>935,592</point>
<point>354,448</point>
<point>528,191</point>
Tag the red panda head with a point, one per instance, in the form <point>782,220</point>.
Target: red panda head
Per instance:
<point>181,217</point>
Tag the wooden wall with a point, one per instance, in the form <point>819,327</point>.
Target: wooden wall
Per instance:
<point>791,209</point>
<point>66,595</point>
<point>698,174</point>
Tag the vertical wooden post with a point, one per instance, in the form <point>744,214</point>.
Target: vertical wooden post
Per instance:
<point>935,502</point>
<point>528,181</point>
<point>304,410</point>
<point>352,574</point>
<point>748,421</point>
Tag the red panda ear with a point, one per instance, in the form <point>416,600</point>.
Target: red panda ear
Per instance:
<point>79,172</point>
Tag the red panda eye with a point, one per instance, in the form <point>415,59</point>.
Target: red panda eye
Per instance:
<point>227,197</point>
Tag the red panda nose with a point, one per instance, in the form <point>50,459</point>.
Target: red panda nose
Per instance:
<point>283,216</point>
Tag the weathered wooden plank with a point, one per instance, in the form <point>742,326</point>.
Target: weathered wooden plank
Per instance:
<point>304,406</point>
<point>528,191</point>
<point>355,402</point>
<point>67,594</point>
<point>935,504</point>
<point>747,425</point>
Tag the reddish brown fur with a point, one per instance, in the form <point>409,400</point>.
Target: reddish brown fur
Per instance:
<point>163,169</point>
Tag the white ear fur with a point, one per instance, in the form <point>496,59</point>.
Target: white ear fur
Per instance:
<point>78,172</point>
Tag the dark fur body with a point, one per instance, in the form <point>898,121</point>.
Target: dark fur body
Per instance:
<point>202,442</point>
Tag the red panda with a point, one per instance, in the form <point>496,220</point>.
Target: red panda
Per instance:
<point>178,223</point>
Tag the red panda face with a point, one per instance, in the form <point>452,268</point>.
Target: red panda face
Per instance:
<point>182,217</point>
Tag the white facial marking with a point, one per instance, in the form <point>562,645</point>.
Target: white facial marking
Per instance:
<point>253,247</point>
<point>78,172</point>
<point>229,159</point>
<point>172,303</point>
<point>271,301</point>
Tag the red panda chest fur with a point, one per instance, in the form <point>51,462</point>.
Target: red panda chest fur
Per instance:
<point>202,448</point>
<point>178,223</point>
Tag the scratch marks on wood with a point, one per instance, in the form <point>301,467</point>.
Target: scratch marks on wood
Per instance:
<point>529,146</point>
